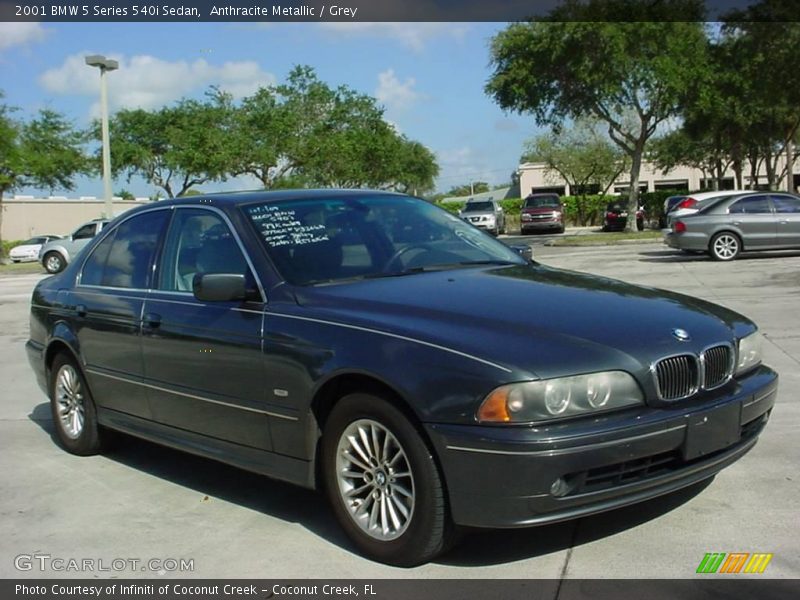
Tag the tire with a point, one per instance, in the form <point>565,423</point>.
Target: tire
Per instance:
<point>561,229</point>
<point>639,224</point>
<point>73,409</point>
<point>53,262</point>
<point>725,246</point>
<point>416,525</point>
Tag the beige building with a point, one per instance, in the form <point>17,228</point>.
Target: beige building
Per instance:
<point>535,177</point>
<point>26,216</point>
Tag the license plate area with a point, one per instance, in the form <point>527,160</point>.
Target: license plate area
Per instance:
<point>712,430</point>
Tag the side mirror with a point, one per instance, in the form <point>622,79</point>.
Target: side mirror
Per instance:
<point>219,287</point>
<point>524,251</point>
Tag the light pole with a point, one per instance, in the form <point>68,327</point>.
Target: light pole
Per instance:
<point>104,64</point>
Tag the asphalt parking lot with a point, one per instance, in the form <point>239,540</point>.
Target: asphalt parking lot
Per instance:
<point>144,502</point>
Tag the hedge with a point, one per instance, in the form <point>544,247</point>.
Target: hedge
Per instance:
<point>7,246</point>
<point>582,210</point>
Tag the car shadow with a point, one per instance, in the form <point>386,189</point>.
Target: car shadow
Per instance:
<point>217,480</point>
<point>309,509</point>
<point>666,256</point>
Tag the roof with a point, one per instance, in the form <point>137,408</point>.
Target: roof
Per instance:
<point>244,197</point>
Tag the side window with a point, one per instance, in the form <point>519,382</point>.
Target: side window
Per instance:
<point>751,205</point>
<point>124,258</point>
<point>93,267</point>
<point>199,242</point>
<point>85,232</point>
<point>786,204</point>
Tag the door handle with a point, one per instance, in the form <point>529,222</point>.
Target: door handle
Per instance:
<point>737,222</point>
<point>81,310</point>
<point>152,320</point>
<point>783,222</point>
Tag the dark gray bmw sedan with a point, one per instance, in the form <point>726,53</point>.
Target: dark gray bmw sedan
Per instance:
<point>369,345</point>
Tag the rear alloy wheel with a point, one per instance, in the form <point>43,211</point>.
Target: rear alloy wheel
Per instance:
<point>54,262</point>
<point>74,414</point>
<point>383,483</point>
<point>725,246</point>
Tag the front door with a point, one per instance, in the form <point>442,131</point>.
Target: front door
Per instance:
<point>203,362</point>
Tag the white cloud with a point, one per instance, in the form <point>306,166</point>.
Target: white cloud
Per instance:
<point>393,93</point>
<point>412,35</point>
<point>16,34</point>
<point>147,82</point>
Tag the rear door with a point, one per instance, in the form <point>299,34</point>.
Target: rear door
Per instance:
<point>787,212</point>
<point>203,362</point>
<point>752,216</point>
<point>107,304</point>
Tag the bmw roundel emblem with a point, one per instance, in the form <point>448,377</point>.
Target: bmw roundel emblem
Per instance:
<point>681,335</point>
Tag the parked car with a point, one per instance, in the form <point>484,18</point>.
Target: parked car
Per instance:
<point>746,222</point>
<point>670,203</point>
<point>616,217</point>
<point>29,249</point>
<point>289,333</point>
<point>695,202</point>
<point>485,214</point>
<point>541,212</point>
<point>56,254</point>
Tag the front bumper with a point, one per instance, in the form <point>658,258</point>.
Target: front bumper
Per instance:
<point>540,224</point>
<point>506,476</point>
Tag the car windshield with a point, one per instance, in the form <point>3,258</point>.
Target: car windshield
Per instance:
<point>34,241</point>
<point>542,202</point>
<point>478,207</point>
<point>324,240</point>
<point>615,206</point>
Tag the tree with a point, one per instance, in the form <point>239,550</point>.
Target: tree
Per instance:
<point>304,132</point>
<point>633,76</point>
<point>173,148</point>
<point>468,189</point>
<point>45,152</point>
<point>582,156</point>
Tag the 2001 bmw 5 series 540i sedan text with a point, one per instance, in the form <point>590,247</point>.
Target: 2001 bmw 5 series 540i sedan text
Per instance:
<point>369,344</point>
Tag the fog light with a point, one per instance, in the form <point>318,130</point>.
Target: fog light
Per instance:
<point>559,488</point>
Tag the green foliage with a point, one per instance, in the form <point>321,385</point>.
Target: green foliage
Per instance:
<point>125,195</point>
<point>301,133</point>
<point>633,75</point>
<point>476,187</point>
<point>7,245</point>
<point>46,152</point>
<point>174,147</point>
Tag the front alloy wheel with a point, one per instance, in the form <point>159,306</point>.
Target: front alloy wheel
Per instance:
<point>383,483</point>
<point>54,262</point>
<point>725,246</point>
<point>375,479</point>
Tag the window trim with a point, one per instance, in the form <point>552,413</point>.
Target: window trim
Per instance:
<point>101,236</point>
<point>766,197</point>
<point>159,250</point>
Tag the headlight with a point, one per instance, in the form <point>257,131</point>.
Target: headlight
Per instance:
<point>749,352</point>
<point>558,398</point>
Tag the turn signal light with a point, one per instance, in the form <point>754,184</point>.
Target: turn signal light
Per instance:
<point>495,407</point>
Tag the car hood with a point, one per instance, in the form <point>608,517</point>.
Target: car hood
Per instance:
<point>534,320</point>
<point>25,248</point>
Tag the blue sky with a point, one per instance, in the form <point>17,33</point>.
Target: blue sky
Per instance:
<point>429,76</point>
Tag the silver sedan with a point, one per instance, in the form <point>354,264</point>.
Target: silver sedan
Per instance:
<point>748,222</point>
